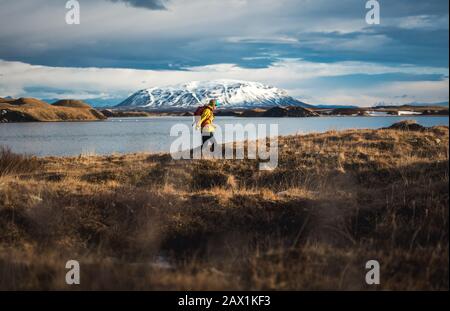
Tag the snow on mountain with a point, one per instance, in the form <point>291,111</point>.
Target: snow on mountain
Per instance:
<point>231,94</point>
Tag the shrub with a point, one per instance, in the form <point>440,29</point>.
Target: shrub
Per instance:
<point>12,163</point>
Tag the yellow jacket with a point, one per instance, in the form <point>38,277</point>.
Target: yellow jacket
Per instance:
<point>206,120</point>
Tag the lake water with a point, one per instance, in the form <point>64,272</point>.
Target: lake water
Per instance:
<point>126,135</point>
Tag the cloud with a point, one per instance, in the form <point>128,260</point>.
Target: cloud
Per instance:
<point>18,79</point>
<point>148,4</point>
<point>427,22</point>
<point>202,32</point>
<point>292,44</point>
<point>389,93</point>
<point>264,39</point>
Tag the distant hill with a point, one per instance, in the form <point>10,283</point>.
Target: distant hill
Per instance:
<point>6,99</point>
<point>439,104</point>
<point>280,112</point>
<point>414,104</point>
<point>412,107</point>
<point>35,110</point>
<point>291,111</point>
<point>93,102</point>
<point>335,107</point>
<point>71,103</point>
<point>231,94</point>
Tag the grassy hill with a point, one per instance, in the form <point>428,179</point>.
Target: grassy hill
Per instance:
<point>71,104</point>
<point>145,221</point>
<point>34,110</point>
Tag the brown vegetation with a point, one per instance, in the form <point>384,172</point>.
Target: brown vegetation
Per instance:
<point>140,221</point>
<point>289,111</point>
<point>11,163</point>
<point>407,125</point>
<point>33,110</point>
<point>124,113</point>
<point>71,103</point>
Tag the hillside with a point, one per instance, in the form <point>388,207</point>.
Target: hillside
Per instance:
<point>231,94</point>
<point>110,113</point>
<point>34,110</point>
<point>279,112</point>
<point>148,222</point>
<point>71,103</point>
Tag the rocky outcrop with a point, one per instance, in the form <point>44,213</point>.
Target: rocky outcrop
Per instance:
<point>406,125</point>
<point>110,113</point>
<point>280,112</point>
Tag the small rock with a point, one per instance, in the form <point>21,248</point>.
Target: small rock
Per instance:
<point>283,193</point>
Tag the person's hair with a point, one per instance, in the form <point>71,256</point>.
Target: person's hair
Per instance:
<point>212,102</point>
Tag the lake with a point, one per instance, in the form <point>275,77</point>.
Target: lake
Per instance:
<point>152,134</point>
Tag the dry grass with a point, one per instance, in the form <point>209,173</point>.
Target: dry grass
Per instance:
<point>32,110</point>
<point>11,163</point>
<point>335,201</point>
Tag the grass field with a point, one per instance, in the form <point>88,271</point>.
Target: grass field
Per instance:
<point>142,221</point>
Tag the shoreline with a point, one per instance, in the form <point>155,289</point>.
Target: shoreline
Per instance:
<point>26,110</point>
<point>150,153</point>
<point>239,117</point>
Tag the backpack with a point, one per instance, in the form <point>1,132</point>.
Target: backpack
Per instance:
<point>198,113</point>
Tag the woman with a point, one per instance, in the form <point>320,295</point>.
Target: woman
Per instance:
<point>206,123</point>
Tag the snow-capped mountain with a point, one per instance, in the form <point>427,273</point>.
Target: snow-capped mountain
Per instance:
<point>231,94</point>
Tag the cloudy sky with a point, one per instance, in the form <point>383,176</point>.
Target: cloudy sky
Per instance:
<point>320,51</point>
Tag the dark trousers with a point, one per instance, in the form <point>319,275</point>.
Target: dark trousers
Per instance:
<point>208,136</point>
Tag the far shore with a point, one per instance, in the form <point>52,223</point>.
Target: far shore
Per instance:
<point>289,112</point>
<point>34,110</point>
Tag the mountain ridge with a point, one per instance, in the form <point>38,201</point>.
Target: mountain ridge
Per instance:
<point>231,94</point>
